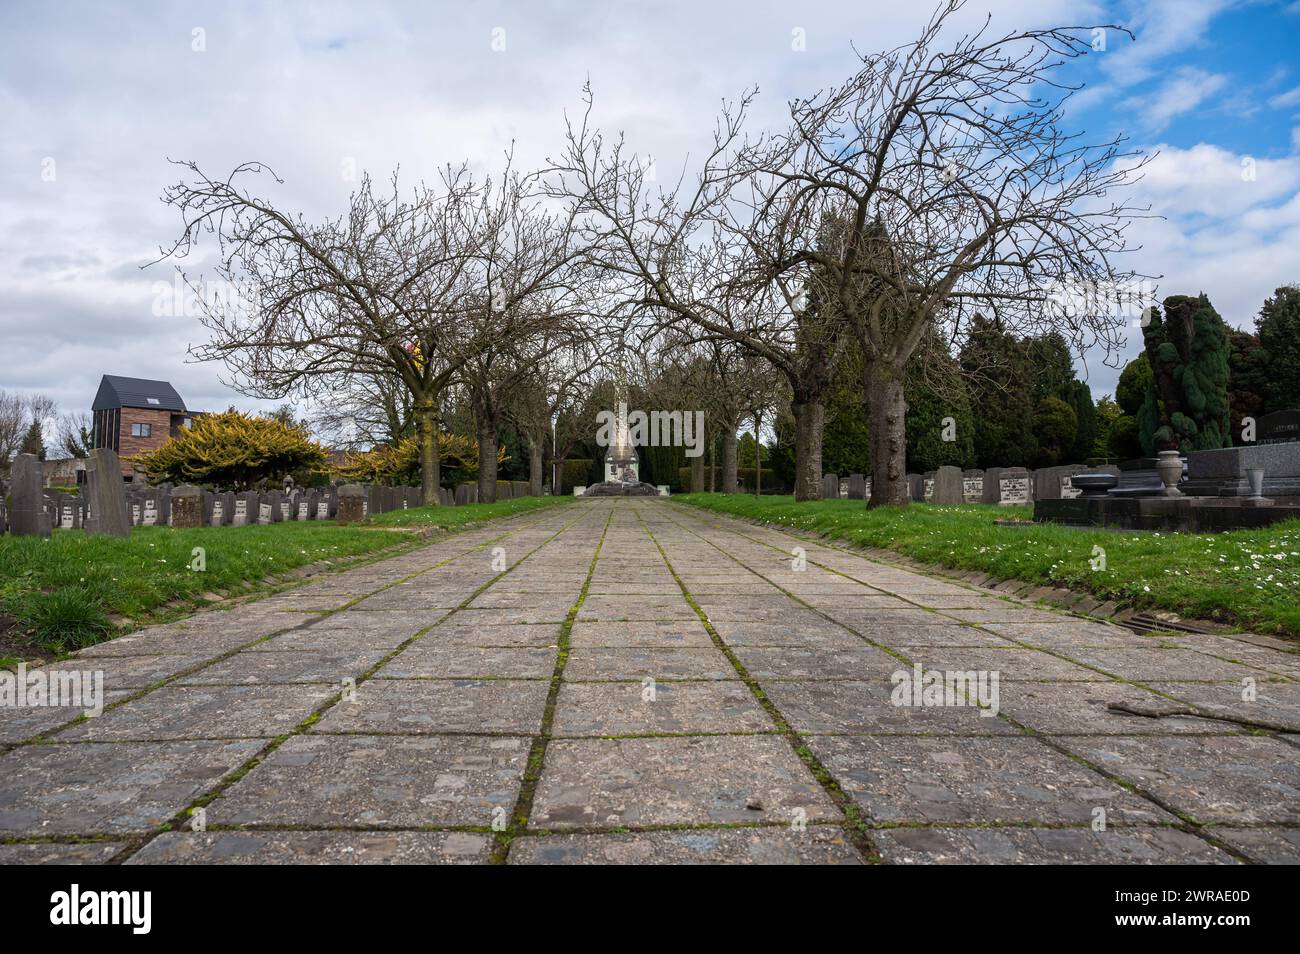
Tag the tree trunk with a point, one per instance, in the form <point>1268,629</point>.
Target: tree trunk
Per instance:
<point>430,464</point>
<point>809,419</point>
<point>758,457</point>
<point>713,467</point>
<point>697,474</point>
<point>730,477</point>
<point>887,413</point>
<point>535,448</point>
<point>487,463</point>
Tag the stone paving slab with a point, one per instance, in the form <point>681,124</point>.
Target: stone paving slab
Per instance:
<point>288,666</point>
<point>440,705</point>
<point>456,632</point>
<point>861,707</point>
<point>787,662</point>
<point>814,845</point>
<point>821,634</point>
<point>589,664</point>
<point>54,853</point>
<point>204,712</point>
<point>961,779</point>
<point>316,848</point>
<point>1038,846</point>
<point>1270,846</point>
<point>103,787</point>
<point>1237,779</point>
<point>1011,664</point>
<point>629,708</point>
<point>1070,708</point>
<point>427,659</point>
<point>128,672</point>
<point>377,781</point>
<point>611,783</point>
<point>679,634</point>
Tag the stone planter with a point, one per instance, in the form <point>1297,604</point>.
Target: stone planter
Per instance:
<point>1170,468</point>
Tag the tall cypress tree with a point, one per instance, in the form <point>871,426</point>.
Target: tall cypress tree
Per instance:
<point>1279,335</point>
<point>1187,346</point>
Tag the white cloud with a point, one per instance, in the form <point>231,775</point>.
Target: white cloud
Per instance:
<point>1185,91</point>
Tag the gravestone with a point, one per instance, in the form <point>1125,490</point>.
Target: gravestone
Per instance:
<point>265,513</point>
<point>1278,427</point>
<point>915,487</point>
<point>150,509</point>
<point>991,493</point>
<point>1014,487</point>
<point>1053,483</point>
<point>927,487</point>
<point>285,505</point>
<point>1224,472</point>
<point>352,504</point>
<point>857,487</point>
<point>866,489</point>
<point>106,494</point>
<point>972,486</point>
<point>947,486</point>
<point>301,507</point>
<point>69,512</point>
<point>245,512</point>
<point>843,489</point>
<point>326,504</point>
<point>187,507</point>
<point>218,515</point>
<point>446,497</point>
<point>29,517</point>
<point>830,486</point>
<point>4,513</point>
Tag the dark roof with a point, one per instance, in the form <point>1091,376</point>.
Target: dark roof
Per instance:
<point>115,391</point>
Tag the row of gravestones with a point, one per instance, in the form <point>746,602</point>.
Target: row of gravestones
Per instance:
<point>108,506</point>
<point>952,485</point>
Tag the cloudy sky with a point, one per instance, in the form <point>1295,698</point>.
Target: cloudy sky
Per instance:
<point>95,97</point>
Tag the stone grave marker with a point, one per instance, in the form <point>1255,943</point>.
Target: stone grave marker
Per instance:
<point>29,517</point>
<point>352,504</point>
<point>927,487</point>
<point>218,517</point>
<point>265,513</point>
<point>972,486</point>
<point>856,487</point>
<point>830,486</point>
<point>947,486</point>
<point>106,494</point>
<point>1013,487</point>
<point>991,488</point>
<point>187,507</point>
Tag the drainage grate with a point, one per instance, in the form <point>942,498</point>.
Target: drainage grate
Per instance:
<point>1146,623</point>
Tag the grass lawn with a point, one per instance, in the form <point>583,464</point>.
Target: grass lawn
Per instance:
<point>1249,578</point>
<point>59,594</point>
<point>454,518</point>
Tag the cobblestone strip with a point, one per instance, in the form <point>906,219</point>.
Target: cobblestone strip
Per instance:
<point>1189,824</point>
<point>856,829</point>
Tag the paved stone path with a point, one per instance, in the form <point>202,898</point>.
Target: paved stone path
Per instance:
<point>636,681</point>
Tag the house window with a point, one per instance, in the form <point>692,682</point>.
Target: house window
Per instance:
<point>141,430</point>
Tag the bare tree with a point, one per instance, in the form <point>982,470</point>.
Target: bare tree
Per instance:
<point>549,396</point>
<point>76,435</point>
<point>938,183</point>
<point>532,291</point>
<point>13,425</point>
<point>377,293</point>
<point>689,255</point>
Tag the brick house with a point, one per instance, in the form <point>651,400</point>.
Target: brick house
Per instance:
<point>134,416</point>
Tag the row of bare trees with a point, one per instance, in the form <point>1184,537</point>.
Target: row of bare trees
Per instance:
<point>935,184</point>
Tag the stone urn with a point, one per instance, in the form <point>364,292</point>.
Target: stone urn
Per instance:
<point>1170,468</point>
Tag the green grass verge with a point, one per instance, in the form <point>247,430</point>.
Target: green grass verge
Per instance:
<point>61,593</point>
<point>1249,578</point>
<point>452,518</point>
